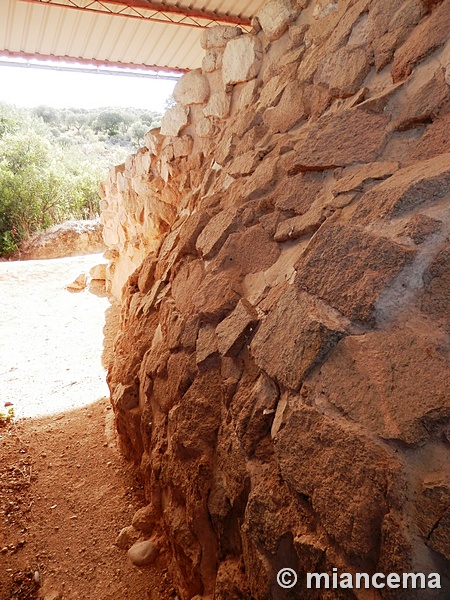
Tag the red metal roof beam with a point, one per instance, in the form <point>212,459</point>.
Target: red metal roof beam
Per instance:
<point>90,62</point>
<point>179,10</point>
<point>156,7</point>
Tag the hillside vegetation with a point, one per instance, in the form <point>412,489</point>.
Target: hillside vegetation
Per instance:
<point>52,160</point>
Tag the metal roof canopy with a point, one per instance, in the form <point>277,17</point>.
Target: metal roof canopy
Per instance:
<point>51,63</point>
<point>158,37</point>
<point>160,12</point>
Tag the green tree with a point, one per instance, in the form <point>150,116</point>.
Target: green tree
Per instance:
<point>8,119</point>
<point>77,120</point>
<point>169,102</point>
<point>52,161</point>
<point>151,119</point>
<point>48,114</point>
<point>31,186</point>
<point>5,125</point>
<point>109,121</point>
<point>40,186</point>
<point>137,132</point>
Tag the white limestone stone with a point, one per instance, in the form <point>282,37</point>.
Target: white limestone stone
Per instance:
<point>275,16</point>
<point>153,140</point>
<point>219,105</point>
<point>218,36</point>
<point>205,128</point>
<point>324,8</point>
<point>192,88</point>
<point>212,60</point>
<point>242,59</point>
<point>182,146</point>
<point>98,272</point>
<point>175,120</point>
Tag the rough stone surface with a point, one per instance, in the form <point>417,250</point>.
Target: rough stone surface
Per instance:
<point>219,105</point>
<point>344,71</point>
<point>233,331</point>
<point>424,105</point>
<point>407,189</point>
<point>192,88</point>
<point>295,195</point>
<point>297,227</point>
<point>142,520</point>
<point>174,120</point>
<point>280,374</point>
<point>244,164</point>
<point>153,141</point>
<point>205,128</point>
<point>214,234</point>
<point>378,101</point>
<point>349,269</point>
<point>182,146</point>
<point>354,178</point>
<point>127,537</point>
<point>341,139</point>
<point>206,343</point>
<point>306,447</point>
<point>242,59</point>
<point>246,252</point>
<point>219,36</point>
<point>212,60</point>
<point>324,8</point>
<point>79,284</point>
<point>440,536</point>
<point>288,353</point>
<point>435,141</point>
<point>389,25</point>
<point>71,238</point>
<point>275,16</point>
<point>436,296</point>
<point>420,227</point>
<point>98,272</point>
<point>142,554</point>
<point>433,517</point>
<point>363,391</point>
<point>281,118</point>
<point>431,33</point>
<point>297,33</point>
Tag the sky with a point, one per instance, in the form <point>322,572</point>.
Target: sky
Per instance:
<point>29,86</point>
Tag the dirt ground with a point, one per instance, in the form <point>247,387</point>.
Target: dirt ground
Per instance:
<point>65,491</point>
<point>51,340</point>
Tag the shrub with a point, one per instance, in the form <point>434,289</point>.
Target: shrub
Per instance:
<point>52,161</point>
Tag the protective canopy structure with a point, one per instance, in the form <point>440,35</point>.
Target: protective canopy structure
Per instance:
<point>160,37</point>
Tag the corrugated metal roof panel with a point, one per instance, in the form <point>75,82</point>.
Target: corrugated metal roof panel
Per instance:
<point>48,30</point>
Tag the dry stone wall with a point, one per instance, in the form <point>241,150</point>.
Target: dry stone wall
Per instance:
<point>71,238</point>
<point>281,248</point>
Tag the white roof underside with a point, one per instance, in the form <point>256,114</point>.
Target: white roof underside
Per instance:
<point>45,30</point>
